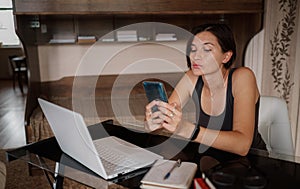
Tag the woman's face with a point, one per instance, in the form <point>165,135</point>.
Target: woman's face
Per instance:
<point>206,54</point>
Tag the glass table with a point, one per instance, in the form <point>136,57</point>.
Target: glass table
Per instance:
<point>259,169</point>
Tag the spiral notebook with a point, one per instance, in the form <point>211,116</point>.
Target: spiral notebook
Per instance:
<point>181,177</point>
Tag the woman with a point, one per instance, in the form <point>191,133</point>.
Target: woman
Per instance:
<point>227,100</point>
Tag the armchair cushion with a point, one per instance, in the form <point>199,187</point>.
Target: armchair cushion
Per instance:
<point>274,125</point>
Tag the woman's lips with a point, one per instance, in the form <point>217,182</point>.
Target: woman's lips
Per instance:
<point>196,66</point>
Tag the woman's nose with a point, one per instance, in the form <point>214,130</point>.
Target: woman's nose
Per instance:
<point>197,55</point>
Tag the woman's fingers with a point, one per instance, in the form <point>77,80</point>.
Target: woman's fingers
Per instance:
<point>152,119</point>
<point>152,126</point>
<point>150,106</point>
<point>169,127</point>
<point>168,116</point>
<point>171,116</point>
<point>169,110</point>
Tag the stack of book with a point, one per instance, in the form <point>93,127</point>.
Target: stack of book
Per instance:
<point>165,37</point>
<point>86,39</point>
<point>108,37</point>
<point>127,35</point>
<point>63,38</point>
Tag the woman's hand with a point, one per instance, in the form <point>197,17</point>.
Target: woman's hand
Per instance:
<point>152,119</point>
<point>169,116</point>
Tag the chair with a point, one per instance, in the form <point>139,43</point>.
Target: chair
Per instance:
<point>19,69</point>
<point>274,125</point>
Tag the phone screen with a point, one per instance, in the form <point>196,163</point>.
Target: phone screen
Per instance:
<point>155,91</point>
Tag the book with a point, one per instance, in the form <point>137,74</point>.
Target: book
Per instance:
<point>86,39</point>
<point>63,38</point>
<point>62,41</point>
<point>203,183</point>
<point>127,35</point>
<point>165,37</point>
<point>181,177</point>
<point>199,183</point>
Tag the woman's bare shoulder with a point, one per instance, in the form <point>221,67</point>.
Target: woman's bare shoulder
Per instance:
<point>244,81</point>
<point>243,73</point>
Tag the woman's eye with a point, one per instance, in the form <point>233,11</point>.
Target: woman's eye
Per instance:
<point>193,50</point>
<point>206,50</point>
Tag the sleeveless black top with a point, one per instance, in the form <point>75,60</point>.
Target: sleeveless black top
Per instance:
<point>224,121</point>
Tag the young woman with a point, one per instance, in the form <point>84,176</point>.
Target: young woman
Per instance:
<point>227,100</point>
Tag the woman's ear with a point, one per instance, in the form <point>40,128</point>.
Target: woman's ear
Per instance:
<point>227,56</point>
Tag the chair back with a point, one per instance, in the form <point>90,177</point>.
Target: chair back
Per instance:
<point>18,64</point>
<point>11,62</point>
<point>274,125</point>
<point>19,70</point>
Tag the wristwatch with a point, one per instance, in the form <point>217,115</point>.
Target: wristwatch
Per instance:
<point>195,133</point>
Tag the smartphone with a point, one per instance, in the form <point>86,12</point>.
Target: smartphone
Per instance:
<point>155,90</point>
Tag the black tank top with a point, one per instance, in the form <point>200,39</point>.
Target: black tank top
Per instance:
<point>224,121</point>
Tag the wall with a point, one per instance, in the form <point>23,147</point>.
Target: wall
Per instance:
<point>57,61</point>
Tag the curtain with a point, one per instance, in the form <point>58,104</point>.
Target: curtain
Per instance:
<point>274,56</point>
<point>281,58</point>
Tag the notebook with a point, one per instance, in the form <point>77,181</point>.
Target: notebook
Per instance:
<point>108,157</point>
<point>180,178</point>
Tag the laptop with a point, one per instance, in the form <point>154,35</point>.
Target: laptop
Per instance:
<point>108,157</point>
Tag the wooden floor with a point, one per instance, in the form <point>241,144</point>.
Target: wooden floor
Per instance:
<point>12,106</point>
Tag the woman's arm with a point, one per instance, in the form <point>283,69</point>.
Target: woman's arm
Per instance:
<point>184,89</point>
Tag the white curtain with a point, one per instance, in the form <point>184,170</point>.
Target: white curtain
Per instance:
<point>274,56</point>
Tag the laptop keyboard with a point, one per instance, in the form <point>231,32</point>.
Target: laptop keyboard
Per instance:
<point>113,160</point>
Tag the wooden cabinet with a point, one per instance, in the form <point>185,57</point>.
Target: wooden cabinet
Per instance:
<point>38,21</point>
<point>98,17</point>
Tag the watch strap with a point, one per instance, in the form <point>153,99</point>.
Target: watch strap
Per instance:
<point>195,133</point>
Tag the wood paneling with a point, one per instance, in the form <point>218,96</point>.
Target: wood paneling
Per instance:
<point>137,6</point>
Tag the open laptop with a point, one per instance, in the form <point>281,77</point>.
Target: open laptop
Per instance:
<point>108,157</point>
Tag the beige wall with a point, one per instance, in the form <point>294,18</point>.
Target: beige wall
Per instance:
<point>57,61</point>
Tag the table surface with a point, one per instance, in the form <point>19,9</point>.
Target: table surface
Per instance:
<point>277,170</point>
